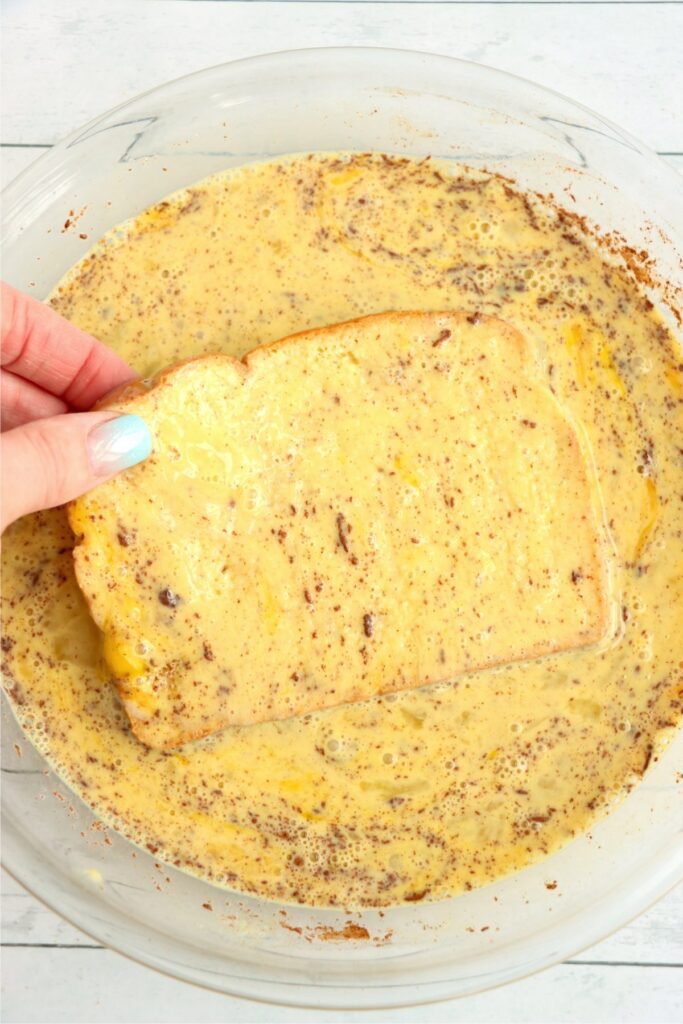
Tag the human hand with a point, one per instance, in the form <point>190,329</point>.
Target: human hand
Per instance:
<point>51,449</point>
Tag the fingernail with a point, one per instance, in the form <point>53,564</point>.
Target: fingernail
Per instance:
<point>118,444</point>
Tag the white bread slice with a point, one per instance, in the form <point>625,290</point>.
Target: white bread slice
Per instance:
<point>377,505</point>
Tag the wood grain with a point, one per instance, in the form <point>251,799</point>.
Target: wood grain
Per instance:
<point>86,985</point>
<point>622,59</point>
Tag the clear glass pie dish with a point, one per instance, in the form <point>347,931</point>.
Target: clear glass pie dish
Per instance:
<point>340,99</point>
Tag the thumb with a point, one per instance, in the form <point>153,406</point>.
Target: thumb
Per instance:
<point>50,461</point>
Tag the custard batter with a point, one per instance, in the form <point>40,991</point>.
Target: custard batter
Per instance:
<point>423,794</point>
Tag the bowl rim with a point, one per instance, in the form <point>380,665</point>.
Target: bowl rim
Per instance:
<point>309,52</point>
<point>659,885</point>
<point>205,984</point>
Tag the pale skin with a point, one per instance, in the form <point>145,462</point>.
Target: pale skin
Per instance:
<point>52,448</point>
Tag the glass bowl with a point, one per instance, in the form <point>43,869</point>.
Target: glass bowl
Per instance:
<point>114,167</point>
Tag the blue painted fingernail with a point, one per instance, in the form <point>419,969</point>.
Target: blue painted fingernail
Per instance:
<point>118,444</point>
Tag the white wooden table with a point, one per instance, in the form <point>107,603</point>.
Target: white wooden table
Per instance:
<point>64,61</point>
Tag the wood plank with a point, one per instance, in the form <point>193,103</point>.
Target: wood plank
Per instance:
<point>75,985</point>
<point>27,921</point>
<point>93,56</point>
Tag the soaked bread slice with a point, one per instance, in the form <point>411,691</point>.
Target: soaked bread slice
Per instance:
<point>378,505</point>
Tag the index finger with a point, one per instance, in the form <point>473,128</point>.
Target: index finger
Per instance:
<point>41,346</point>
